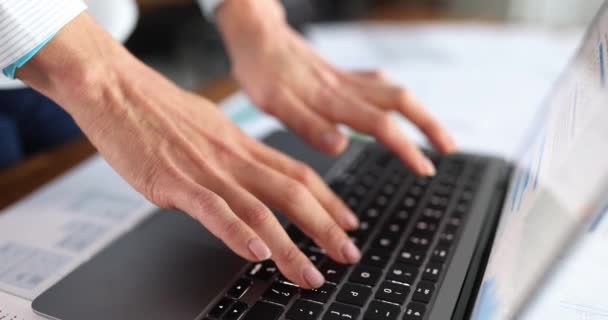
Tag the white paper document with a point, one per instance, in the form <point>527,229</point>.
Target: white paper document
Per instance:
<point>48,234</point>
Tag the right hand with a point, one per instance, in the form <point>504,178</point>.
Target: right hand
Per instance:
<point>180,151</point>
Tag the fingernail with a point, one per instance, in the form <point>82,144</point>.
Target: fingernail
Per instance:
<point>428,168</point>
<point>259,249</point>
<point>351,253</point>
<point>332,139</point>
<point>351,220</point>
<point>449,140</point>
<point>313,277</point>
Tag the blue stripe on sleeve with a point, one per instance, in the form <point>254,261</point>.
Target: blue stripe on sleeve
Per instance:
<point>12,68</point>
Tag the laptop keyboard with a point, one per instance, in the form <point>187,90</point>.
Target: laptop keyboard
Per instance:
<point>409,229</point>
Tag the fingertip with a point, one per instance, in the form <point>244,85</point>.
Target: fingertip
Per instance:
<point>447,143</point>
<point>313,278</point>
<point>350,220</point>
<point>351,253</point>
<point>427,167</point>
<point>334,142</point>
<point>259,249</point>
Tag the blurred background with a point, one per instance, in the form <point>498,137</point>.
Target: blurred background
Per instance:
<point>446,51</point>
<point>172,37</point>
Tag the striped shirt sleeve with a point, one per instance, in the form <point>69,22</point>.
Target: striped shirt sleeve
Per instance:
<point>26,24</point>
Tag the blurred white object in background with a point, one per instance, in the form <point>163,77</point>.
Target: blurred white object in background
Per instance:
<point>118,17</point>
<point>558,13</point>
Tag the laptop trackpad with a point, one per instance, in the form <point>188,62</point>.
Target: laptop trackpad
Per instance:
<point>168,268</point>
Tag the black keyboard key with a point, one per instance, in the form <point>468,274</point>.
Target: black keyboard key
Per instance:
<point>315,256</point>
<point>371,213</point>
<point>432,213</point>
<point>376,258</point>
<point>239,288</point>
<point>365,275</point>
<point>461,209</point>
<point>438,202</point>
<point>393,228</point>
<point>416,191</point>
<point>333,272</point>
<point>446,238</point>
<point>221,307</point>
<point>378,310</point>
<point>352,202</point>
<point>426,227</point>
<point>439,254</point>
<point>454,221</point>
<point>432,272</point>
<point>236,311</point>
<point>392,292</point>
<point>382,201</point>
<point>280,293</point>
<point>304,310</point>
<point>354,294</point>
<point>409,203</point>
<point>386,241</point>
<point>360,191</point>
<point>402,273</point>
<point>414,311</point>
<point>321,294</point>
<point>424,292</point>
<point>389,189</point>
<point>402,215</point>
<point>418,243</point>
<point>411,257</point>
<point>264,310</point>
<point>263,270</point>
<point>338,311</point>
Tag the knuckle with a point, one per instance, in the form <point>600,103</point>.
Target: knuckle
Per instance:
<point>295,192</point>
<point>331,233</point>
<point>403,96</point>
<point>383,125</point>
<point>429,125</point>
<point>207,203</point>
<point>290,254</point>
<point>304,173</point>
<point>257,215</point>
<point>270,100</point>
<point>232,228</point>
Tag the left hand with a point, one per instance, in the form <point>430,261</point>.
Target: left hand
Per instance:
<point>285,77</point>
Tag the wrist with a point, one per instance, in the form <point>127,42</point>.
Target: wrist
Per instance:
<point>78,67</point>
<point>250,23</point>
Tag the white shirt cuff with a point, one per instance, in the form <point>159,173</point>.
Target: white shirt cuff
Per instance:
<point>25,24</point>
<point>209,7</point>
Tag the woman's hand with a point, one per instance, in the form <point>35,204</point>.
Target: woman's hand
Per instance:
<point>287,79</point>
<point>180,151</point>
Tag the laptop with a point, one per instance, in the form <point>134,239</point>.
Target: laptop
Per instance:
<point>474,242</point>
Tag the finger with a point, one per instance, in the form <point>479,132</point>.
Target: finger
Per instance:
<point>309,178</point>
<point>215,214</point>
<point>363,117</point>
<point>312,128</point>
<point>376,89</point>
<point>295,201</point>
<point>289,259</point>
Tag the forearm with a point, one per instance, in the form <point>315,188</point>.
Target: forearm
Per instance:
<point>249,23</point>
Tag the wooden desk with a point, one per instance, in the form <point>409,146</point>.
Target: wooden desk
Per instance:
<point>22,179</point>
